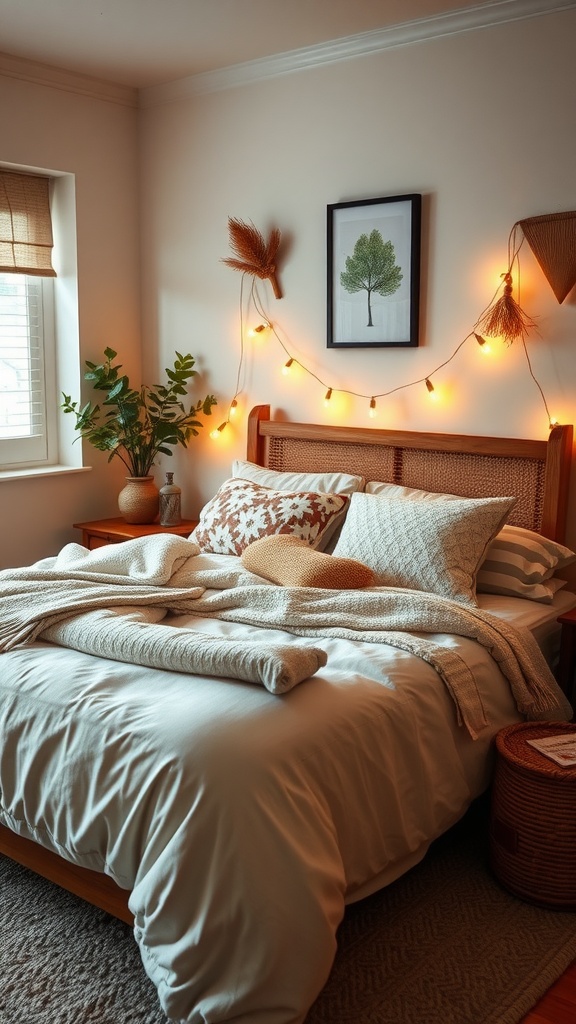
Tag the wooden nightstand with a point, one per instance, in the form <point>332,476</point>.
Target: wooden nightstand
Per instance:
<point>100,532</point>
<point>567,659</point>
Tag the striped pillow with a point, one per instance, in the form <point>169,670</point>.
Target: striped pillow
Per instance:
<point>521,563</point>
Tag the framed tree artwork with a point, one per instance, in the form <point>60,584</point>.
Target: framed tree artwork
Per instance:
<point>374,272</point>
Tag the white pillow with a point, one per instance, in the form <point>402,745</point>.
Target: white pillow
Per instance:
<point>521,563</point>
<point>434,546</point>
<point>242,512</point>
<point>518,562</point>
<point>410,493</point>
<point>325,483</point>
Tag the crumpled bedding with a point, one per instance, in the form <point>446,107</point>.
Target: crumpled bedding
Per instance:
<point>242,822</point>
<point>377,614</point>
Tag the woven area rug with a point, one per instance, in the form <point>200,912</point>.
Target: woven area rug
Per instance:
<point>442,945</point>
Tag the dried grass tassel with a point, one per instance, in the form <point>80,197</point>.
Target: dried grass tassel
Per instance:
<point>255,255</point>
<point>505,318</point>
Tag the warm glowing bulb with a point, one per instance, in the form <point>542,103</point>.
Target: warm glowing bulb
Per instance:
<point>215,434</point>
<point>553,422</point>
<point>286,367</point>
<point>257,330</point>
<point>328,396</point>
<point>372,409</point>
<point>484,346</point>
<point>233,407</point>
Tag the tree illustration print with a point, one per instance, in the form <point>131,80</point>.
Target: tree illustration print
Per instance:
<point>372,268</point>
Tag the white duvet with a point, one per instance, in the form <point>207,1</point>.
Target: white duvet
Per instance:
<point>241,821</point>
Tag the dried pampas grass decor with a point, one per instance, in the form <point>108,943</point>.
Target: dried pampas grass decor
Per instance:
<point>505,319</point>
<point>255,255</point>
<point>552,238</point>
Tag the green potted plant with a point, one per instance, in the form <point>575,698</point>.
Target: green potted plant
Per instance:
<point>137,426</point>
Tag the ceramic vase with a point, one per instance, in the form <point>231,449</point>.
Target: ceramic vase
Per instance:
<point>138,501</point>
<point>170,497</point>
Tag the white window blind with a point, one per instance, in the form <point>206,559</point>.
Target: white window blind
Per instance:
<point>22,381</point>
<point>26,319</point>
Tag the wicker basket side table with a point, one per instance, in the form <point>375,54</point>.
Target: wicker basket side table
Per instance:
<point>533,818</point>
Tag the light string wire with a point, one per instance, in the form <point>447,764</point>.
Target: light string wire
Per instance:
<point>254,300</point>
<point>515,258</point>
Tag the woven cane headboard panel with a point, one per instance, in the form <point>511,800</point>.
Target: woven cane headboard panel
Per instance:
<point>535,472</point>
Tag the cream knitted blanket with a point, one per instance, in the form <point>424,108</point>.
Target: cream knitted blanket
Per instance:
<point>399,617</point>
<point>43,599</point>
<point>135,572</point>
<point>69,600</point>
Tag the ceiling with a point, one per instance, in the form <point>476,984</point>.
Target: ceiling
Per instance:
<point>142,43</point>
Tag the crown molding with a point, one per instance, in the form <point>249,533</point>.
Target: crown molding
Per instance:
<point>69,81</point>
<point>483,15</point>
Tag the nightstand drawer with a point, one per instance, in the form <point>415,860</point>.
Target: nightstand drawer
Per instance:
<point>99,532</point>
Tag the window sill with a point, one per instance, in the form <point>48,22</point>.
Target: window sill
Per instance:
<point>37,471</point>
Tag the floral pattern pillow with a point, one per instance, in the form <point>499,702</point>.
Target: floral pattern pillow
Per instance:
<point>242,512</point>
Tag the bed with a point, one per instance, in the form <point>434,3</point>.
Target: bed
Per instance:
<point>305,741</point>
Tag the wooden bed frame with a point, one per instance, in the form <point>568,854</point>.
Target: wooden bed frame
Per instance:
<point>537,472</point>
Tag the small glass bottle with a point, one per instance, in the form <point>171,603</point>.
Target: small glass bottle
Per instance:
<point>170,496</point>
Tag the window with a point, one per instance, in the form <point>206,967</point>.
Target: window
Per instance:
<point>26,346</point>
<point>28,295</point>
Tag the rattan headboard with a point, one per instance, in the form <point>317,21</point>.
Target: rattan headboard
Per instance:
<point>535,472</point>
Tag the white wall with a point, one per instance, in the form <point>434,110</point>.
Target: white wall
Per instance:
<point>96,140</point>
<point>482,124</point>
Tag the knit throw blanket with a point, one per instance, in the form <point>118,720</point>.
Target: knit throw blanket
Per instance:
<point>68,600</point>
<point>398,617</point>
<point>108,602</point>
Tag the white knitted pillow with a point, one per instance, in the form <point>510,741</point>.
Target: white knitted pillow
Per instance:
<point>435,546</point>
<point>518,562</point>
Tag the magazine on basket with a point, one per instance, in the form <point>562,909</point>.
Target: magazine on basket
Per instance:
<point>561,749</point>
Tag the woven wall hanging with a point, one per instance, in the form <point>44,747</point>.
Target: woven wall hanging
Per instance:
<point>552,238</point>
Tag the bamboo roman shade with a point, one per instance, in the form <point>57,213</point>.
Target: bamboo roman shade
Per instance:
<point>25,224</point>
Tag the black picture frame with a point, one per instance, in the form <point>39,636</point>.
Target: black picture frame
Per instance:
<point>381,235</point>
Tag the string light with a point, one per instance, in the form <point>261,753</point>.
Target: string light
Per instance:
<point>215,434</point>
<point>483,344</point>
<point>233,407</point>
<point>372,412</point>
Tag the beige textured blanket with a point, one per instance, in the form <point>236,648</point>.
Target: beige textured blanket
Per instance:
<point>135,572</point>
<point>42,600</point>
<point>398,617</point>
<point>69,600</point>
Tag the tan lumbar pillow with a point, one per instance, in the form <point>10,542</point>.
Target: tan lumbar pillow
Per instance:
<point>291,562</point>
